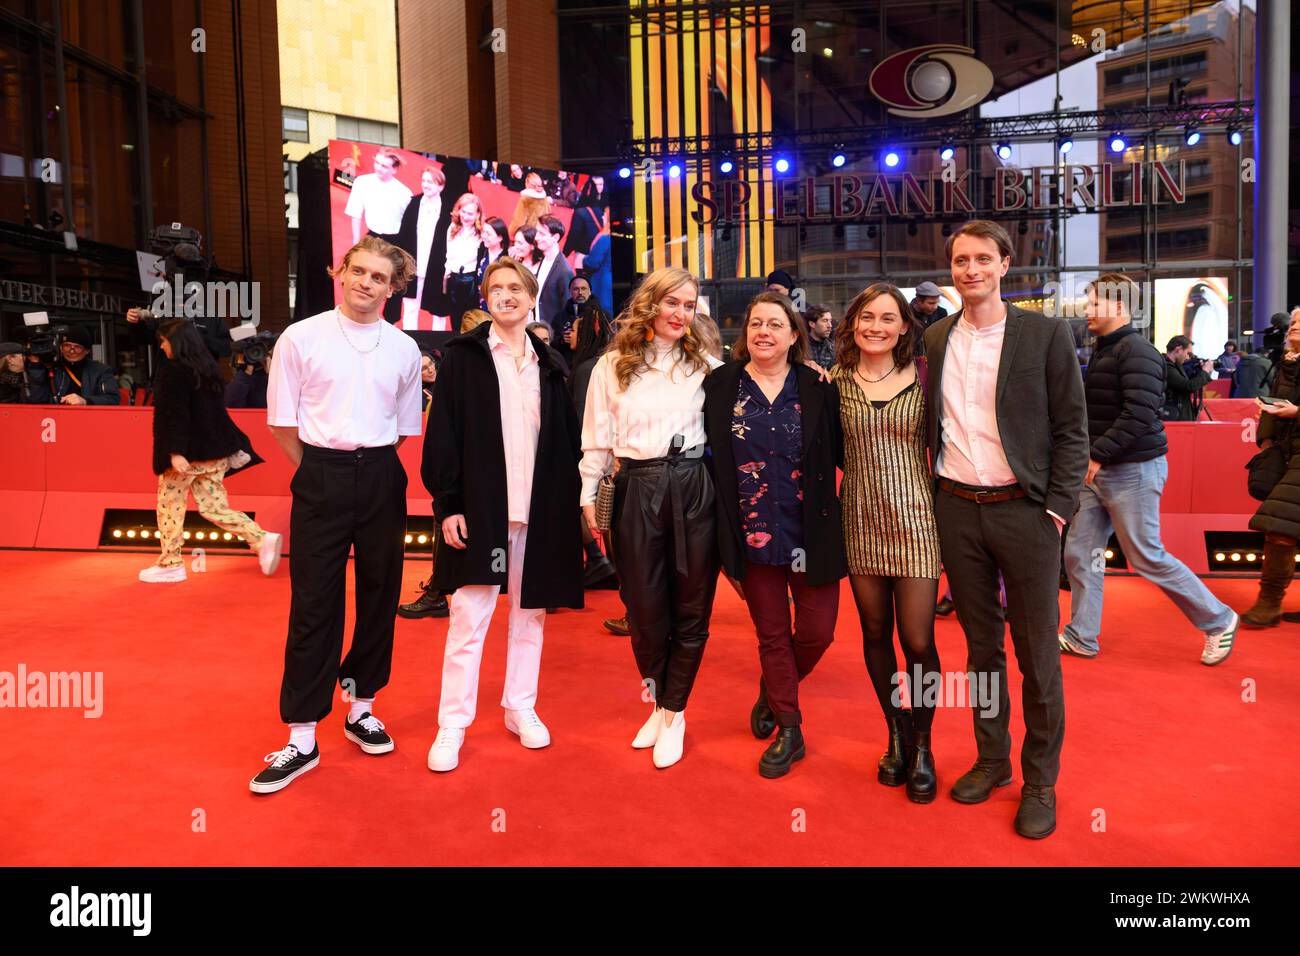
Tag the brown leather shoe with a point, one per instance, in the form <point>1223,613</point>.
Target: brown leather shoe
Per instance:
<point>1036,817</point>
<point>617,625</point>
<point>978,783</point>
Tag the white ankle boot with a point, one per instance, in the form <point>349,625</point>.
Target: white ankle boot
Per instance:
<point>649,732</point>
<point>668,748</point>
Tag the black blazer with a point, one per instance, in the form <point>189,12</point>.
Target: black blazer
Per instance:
<point>553,295</point>
<point>464,469</point>
<point>1041,412</point>
<point>191,421</point>
<point>823,452</point>
<point>435,300</point>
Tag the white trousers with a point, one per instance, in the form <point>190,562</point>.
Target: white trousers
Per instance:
<point>471,613</point>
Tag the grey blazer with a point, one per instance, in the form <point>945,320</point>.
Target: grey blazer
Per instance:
<point>1041,411</point>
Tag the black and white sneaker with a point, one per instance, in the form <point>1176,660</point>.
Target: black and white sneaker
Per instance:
<point>287,765</point>
<point>368,734</point>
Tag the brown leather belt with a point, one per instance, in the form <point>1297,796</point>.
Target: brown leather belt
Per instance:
<point>982,496</point>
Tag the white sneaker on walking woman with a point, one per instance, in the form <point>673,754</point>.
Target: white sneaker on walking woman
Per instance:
<point>268,552</point>
<point>155,574</point>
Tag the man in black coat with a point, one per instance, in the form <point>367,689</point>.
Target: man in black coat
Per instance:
<point>1008,426</point>
<point>427,216</point>
<point>77,379</point>
<point>501,455</point>
<point>1181,387</point>
<point>1127,469</point>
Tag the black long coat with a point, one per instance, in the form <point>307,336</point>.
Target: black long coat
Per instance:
<point>435,300</point>
<point>192,421</point>
<point>464,469</point>
<point>1280,512</point>
<point>823,452</point>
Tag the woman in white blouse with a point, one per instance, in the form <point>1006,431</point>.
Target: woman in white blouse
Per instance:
<point>645,408</point>
<point>463,238</point>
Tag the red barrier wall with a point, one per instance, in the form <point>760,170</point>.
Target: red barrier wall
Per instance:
<point>63,466</point>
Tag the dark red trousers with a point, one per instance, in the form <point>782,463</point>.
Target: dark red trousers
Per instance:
<point>788,656</point>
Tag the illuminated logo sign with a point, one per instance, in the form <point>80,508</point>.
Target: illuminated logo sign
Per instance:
<point>934,80</point>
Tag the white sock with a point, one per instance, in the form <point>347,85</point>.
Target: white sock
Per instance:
<point>359,709</point>
<point>303,736</point>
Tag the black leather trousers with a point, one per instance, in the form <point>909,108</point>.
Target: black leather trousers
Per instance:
<point>665,545</point>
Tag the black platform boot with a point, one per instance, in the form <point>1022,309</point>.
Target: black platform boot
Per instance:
<point>892,769</point>
<point>782,753</point>
<point>922,784</point>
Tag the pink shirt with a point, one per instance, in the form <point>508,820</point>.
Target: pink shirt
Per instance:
<point>971,449</point>
<point>521,420</point>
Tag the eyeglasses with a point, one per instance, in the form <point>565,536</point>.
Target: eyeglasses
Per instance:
<point>772,325</point>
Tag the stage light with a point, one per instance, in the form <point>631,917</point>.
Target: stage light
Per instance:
<point>227,536</point>
<point>1004,151</point>
<point>423,539</point>
<point>1118,143</point>
<point>891,158</point>
<point>838,160</point>
<point>1220,556</point>
<point>131,533</point>
<point>1236,556</point>
<point>1064,146</point>
<point>675,170</point>
<point>186,536</point>
<point>1234,135</point>
<point>781,165</point>
<point>1109,554</point>
<point>624,172</point>
<point>410,538</point>
<point>1250,556</point>
<point>947,153</point>
<point>1191,135</point>
<point>726,166</point>
<point>117,532</point>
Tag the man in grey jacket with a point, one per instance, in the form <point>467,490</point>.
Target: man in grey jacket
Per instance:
<point>1008,430</point>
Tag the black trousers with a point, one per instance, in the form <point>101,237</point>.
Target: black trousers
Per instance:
<point>342,500</point>
<point>663,538</point>
<point>463,294</point>
<point>1019,539</point>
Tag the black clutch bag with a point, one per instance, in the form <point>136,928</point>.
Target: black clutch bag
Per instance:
<point>1264,471</point>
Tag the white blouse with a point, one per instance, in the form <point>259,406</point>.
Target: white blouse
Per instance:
<point>664,400</point>
<point>462,251</point>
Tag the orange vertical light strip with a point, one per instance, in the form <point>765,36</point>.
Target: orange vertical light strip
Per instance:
<point>690,127</point>
<point>638,69</point>
<point>707,63</point>
<point>766,228</point>
<point>654,128</point>
<point>672,83</point>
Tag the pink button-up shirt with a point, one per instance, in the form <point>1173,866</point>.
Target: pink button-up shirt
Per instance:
<point>971,451</point>
<point>521,420</point>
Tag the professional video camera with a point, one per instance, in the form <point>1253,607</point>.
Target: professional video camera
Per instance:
<point>181,250</point>
<point>44,342</point>
<point>257,348</point>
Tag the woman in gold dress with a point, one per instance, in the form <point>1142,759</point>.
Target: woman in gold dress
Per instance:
<point>889,530</point>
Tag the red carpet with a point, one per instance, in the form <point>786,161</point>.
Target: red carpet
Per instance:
<point>1163,749</point>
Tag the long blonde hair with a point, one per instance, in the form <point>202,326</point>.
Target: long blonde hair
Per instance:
<point>464,200</point>
<point>631,346</point>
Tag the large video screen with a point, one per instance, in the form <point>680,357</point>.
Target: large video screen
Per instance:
<point>455,215</point>
<point>1194,306</point>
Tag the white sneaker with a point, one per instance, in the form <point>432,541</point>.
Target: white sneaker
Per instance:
<point>668,748</point>
<point>528,727</point>
<point>268,552</point>
<point>1219,644</point>
<point>155,574</point>
<point>444,755</point>
<point>649,732</point>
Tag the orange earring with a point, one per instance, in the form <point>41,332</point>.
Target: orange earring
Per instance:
<point>649,335</point>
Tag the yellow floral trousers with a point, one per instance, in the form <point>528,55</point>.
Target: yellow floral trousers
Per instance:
<point>205,481</point>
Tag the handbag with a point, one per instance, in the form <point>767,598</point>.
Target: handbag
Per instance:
<point>1264,471</point>
<point>605,503</point>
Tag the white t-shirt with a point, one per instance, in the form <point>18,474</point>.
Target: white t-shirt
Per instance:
<point>382,203</point>
<point>340,395</point>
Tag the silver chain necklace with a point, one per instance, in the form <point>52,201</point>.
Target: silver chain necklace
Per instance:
<point>381,323</point>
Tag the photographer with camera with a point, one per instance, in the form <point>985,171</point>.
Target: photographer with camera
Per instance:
<point>1183,388</point>
<point>15,386</point>
<point>180,248</point>
<point>248,387</point>
<point>61,371</point>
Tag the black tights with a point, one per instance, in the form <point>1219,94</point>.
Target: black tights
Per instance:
<point>911,601</point>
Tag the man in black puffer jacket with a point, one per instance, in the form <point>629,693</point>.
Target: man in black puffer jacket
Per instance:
<point>1125,387</point>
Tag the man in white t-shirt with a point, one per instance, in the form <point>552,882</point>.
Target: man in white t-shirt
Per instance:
<point>344,392</point>
<point>380,198</point>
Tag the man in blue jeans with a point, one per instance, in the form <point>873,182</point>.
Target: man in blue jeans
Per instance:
<point>1127,468</point>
